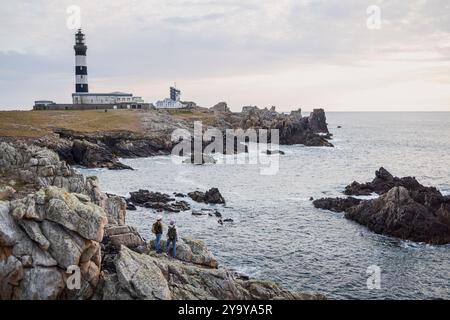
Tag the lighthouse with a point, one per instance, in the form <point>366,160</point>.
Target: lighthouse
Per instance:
<point>82,99</point>
<point>81,78</point>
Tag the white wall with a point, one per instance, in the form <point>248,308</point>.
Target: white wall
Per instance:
<point>96,99</point>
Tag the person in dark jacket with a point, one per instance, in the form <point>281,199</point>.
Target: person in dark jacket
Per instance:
<point>172,237</point>
<point>157,229</point>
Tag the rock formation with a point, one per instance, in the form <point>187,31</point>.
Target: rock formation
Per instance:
<point>104,148</point>
<point>396,213</point>
<point>158,201</point>
<point>405,209</point>
<point>41,237</point>
<point>221,107</point>
<point>293,128</point>
<point>55,225</point>
<point>141,276</point>
<point>336,204</point>
<point>212,196</point>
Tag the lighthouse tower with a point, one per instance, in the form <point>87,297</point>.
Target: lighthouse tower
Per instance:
<point>81,78</point>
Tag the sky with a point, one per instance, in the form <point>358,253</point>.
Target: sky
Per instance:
<point>346,55</point>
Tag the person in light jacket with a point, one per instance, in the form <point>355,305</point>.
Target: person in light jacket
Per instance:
<point>172,237</point>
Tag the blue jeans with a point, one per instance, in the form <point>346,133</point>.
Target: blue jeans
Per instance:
<point>174,247</point>
<point>158,242</point>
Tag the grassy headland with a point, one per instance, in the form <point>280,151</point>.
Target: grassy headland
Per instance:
<point>34,124</point>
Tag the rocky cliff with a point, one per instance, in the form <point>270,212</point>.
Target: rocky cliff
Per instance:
<point>55,223</point>
<point>405,209</point>
<point>104,148</point>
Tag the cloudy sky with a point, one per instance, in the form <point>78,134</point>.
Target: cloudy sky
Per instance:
<point>287,53</point>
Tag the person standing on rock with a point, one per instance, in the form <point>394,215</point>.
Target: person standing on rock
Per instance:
<point>172,237</point>
<point>157,229</point>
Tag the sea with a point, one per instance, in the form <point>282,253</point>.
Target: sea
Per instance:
<point>278,235</point>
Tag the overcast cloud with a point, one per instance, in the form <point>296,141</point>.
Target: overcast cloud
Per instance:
<point>288,53</point>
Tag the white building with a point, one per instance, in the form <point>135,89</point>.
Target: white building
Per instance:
<point>104,98</point>
<point>169,103</point>
<point>172,102</point>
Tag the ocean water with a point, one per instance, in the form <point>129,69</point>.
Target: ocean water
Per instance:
<point>278,235</point>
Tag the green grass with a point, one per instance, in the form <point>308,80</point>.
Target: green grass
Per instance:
<point>34,124</point>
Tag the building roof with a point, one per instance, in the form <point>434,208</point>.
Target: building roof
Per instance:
<point>116,94</point>
<point>43,101</point>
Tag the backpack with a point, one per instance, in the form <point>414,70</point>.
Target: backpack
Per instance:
<point>155,228</point>
<point>172,233</point>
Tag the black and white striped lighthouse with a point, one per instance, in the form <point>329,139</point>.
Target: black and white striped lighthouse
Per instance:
<point>81,78</point>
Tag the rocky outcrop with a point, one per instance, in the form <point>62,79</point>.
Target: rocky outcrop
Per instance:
<point>385,181</point>
<point>127,236</point>
<point>317,121</point>
<point>41,237</point>
<point>52,233</point>
<point>93,155</point>
<point>396,213</point>
<point>293,128</point>
<point>32,167</point>
<point>212,196</point>
<point>141,276</point>
<point>158,201</point>
<point>336,204</point>
<point>221,107</point>
<point>193,251</point>
<point>102,149</point>
<point>116,209</point>
<point>405,209</point>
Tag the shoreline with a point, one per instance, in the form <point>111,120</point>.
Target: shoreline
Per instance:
<point>99,257</point>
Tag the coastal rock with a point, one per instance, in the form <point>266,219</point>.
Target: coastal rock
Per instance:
<point>65,247</point>
<point>154,276</point>
<point>57,219</point>
<point>158,201</point>
<point>11,274</point>
<point>93,155</point>
<point>396,213</point>
<point>116,209</point>
<point>123,236</point>
<point>385,181</point>
<point>140,277</point>
<point>102,149</point>
<point>66,209</point>
<point>193,251</point>
<point>33,230</point>
<point>176,206</point>
<point>405,209</point>
<point>336,204</point>
<point>221,107</point>
<point>35,167</point>
<point>6,193</point>
<point>141,197</point>
<point>10,233</point>
<point>40,284</point>
<point>292,128</point>
<point>36,249</point>
<point>212,196</point>
<point>317,121</point>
